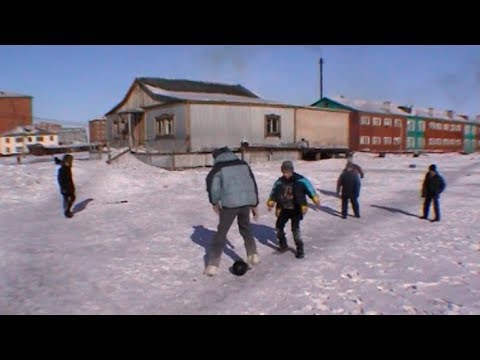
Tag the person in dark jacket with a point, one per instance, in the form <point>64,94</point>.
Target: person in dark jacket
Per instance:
<point>233,192</point>
<point>433,186</point>
<point>65,181</point>
<point>290,193</point>
<point>356,168</point>
<point>349,184</point>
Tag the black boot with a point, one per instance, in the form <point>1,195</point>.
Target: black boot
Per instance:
<point>300,253</point>
<point>282,240</point>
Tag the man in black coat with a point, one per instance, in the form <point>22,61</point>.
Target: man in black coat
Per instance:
<point>349,183</point>
<point>65,181</point>
<point>433,186</point>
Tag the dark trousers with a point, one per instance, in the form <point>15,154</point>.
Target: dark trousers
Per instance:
<point>295,217</point>
<point>355,205</point>
<point>436,206</point>
<point>227,216</point>
<point>68,200</point>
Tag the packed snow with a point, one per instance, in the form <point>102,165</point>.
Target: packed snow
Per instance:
<point>137,242</point>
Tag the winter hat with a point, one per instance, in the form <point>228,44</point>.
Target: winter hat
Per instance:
<point>433,167</point>
<point>219,151</point>
<point>287,166</point>
<point>239,267</point>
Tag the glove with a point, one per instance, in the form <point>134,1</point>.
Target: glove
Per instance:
<point>304,209</point>
<point>270,204</point>
<point>216,209</point>
<point>255,213</point>
<point>316,200</point>
<point>278,211</point>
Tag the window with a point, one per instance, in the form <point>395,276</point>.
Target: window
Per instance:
<point>397,122</point>
<point>7,150</point>
<point>39,138</point>
<point>164,125</point>
<point>411,125</point>
<point>421,125</point>
<point>120,128</point>
<point>459,127</point>
<point>431,141</point>
<point>439,141</point>
<point>387,140</point>
<point>364,120</point>
<point>421,143</point>
<point>387,122</point>
<point>446,127</point>
<point>458,141</point>
<point>19,139</point>
<point>376,140</point>
<point>410,142</point>
<point>452,127</point>
<point>51,137</point>
<point>7,140</point>
<point>439,126</point>
<point>466,129</point>
<point>364,140</point>
<point>397,141</point>
<point>272,125</point>
<point>376,121</point>
<point>19,149</point>
<point>446,142</point>
<point>452,142</point>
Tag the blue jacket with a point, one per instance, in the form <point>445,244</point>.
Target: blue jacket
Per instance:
<point>292,193</point>
<point>349,182</point>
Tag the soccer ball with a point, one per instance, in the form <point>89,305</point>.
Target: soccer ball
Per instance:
<point>239,267</point>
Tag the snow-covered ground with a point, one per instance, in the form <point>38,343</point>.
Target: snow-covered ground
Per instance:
<point>146,256</point>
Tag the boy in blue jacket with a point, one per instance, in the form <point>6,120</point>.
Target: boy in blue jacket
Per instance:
<point>290,193</point>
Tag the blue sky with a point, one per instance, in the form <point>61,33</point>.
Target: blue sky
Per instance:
<point>77,83</point>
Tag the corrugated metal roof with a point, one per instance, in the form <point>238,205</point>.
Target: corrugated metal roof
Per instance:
<point>181,85</point>
<point>214,97</point>
<point>394,109</point>
<point>378,107</point>
<point>26,130</point>
<point>436,114</point>
<point>9,94</point>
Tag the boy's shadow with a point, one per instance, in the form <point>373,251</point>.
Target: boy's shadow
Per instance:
<point>81,206</point>
<point>329,193</point>
<point>395,210</point>
<point>326,209</point>
<point>203,237</point>
<point>265,235</point>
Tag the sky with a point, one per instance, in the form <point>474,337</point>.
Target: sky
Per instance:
<point>147,255</point>
<point>76,83</point>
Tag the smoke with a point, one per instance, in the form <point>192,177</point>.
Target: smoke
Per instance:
<point>238,59</point>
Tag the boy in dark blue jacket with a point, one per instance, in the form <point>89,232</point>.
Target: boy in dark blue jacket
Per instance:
<point>433,186</point>
<point>290,194</point>
<point>349,183</point>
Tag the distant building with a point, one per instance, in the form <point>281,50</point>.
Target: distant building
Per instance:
<point>378,126</point>
<point>48,126</point>
<point>72,135</point>
<point>15,110</point>
<point>16,140</point>
<point>97,129</point>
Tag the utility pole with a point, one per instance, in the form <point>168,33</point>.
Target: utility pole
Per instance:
<point>321,78</point>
